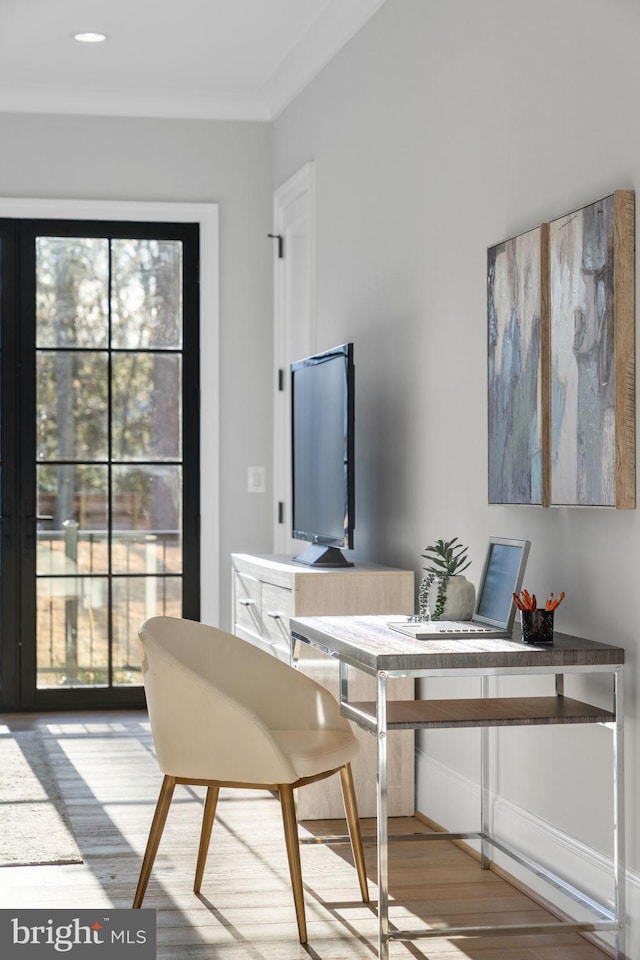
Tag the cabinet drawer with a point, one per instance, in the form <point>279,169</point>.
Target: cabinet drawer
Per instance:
<point>277,608</point>
<point>248,592</point>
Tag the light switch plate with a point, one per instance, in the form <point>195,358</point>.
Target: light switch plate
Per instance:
<point>256,480</point>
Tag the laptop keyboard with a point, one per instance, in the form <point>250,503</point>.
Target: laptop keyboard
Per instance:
<point>455,626</point>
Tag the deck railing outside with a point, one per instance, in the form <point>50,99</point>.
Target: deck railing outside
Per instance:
<point>82,600</point>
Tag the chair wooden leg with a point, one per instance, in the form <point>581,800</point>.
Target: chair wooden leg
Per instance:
<point>155,833</point>
<point>353,823</point>
<point>205,834</point>
<point>293,853</point>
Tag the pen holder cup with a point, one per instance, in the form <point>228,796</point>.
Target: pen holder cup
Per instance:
<point>537,626</point>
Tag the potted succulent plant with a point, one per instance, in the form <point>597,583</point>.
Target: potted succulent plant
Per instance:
<point>455,597</point>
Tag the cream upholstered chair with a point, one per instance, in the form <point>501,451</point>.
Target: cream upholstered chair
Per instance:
<point>225,714</point>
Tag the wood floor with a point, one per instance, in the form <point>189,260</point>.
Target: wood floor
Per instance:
<point>110,782</point>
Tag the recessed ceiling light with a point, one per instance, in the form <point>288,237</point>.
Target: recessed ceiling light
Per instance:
<point>88,37</point>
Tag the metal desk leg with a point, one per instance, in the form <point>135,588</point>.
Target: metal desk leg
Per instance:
<point>344,682</point>
<point>618,812</point>
<point>382,825</point>
<point>485,792</point>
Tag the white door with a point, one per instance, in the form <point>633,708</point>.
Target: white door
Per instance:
<point>294,337</point>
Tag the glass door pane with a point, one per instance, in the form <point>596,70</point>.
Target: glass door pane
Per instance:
<point>109,452</point>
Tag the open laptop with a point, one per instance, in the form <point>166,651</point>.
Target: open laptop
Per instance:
<point>495,610</point>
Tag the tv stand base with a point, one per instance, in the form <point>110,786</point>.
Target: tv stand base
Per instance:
<point>318,555</point>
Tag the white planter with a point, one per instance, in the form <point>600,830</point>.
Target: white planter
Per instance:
<point>460,599</point>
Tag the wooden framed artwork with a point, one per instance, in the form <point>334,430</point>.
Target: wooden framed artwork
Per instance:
<point>592,354</point>
<point>517,337</point>
<point>561,352</point>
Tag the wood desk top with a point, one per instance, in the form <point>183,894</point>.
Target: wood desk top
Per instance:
<point>368,642</point>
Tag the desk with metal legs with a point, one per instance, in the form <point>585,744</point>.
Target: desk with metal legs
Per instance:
<point>368,644</point>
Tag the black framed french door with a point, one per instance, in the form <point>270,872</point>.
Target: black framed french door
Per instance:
<point>99,447</point>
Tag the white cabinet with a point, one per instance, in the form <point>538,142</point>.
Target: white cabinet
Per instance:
<point>267,591</point>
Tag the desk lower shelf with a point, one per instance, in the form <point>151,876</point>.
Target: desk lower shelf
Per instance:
<point>485,712</point>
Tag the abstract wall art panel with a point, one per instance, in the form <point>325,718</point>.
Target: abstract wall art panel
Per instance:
<point>517,340</point>
<point>592,356</point>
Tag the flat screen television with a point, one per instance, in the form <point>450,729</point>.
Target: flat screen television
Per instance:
<point>322,448</point>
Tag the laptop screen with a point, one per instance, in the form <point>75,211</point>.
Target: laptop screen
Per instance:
<point>502,577</point>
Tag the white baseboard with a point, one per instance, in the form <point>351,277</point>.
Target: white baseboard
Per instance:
<point>455,804</point>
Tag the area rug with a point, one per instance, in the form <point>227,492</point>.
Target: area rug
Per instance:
<point>34,822</point>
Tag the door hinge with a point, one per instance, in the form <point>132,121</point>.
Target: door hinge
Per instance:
<point>280,511</point>
<point>280,380</point>
<point>280,239</point>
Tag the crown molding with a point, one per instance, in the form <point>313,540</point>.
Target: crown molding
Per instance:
<point>169,104</point>
<point>337,24</point>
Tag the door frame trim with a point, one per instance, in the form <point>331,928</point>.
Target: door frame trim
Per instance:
<point>206,215</point>
<point>301,183</point>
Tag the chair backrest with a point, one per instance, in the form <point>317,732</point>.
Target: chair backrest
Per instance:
<point>214,700</point>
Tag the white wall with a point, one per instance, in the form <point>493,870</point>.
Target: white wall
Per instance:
<point>165,160</point>
<point>441,129</point>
